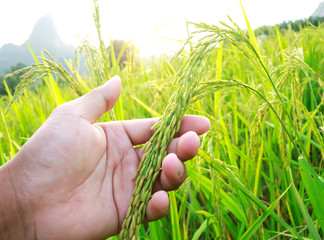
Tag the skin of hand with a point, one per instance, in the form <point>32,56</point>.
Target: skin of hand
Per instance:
<point>73,178</point>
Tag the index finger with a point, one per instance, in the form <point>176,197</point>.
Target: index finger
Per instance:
<point>139,131</point>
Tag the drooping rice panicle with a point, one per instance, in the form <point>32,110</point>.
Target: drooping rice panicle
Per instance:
<point>156,148</point>
<point>187,92</point>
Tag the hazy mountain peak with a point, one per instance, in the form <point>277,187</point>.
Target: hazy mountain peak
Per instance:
<point>43,36</point>
<point>44,33</point>
<point>319,12</point>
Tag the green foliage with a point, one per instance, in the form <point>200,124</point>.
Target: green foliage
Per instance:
<point>314,188</point>
<point>296,25</point>
<point>12,81</point>
<point>266,114</point>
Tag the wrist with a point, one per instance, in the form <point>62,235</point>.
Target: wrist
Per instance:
<point>15,215</point>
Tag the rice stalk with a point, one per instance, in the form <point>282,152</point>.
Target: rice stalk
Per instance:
<point>40,70</point>
<point>155,149</point>
<point>188,91</point>
<point>103,53</point>
<point>216,186</point>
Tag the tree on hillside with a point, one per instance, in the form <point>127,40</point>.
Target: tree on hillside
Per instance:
<point>13,81</point>
<point>294,25</point>
<point>118,46</point>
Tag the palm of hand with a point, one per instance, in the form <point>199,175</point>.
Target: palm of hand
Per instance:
<point>88,176</point>
<point>74,178</point>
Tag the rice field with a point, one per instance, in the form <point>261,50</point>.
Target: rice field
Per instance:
<point>258,174</point>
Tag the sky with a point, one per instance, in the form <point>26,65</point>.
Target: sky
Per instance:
<point>150,23</point>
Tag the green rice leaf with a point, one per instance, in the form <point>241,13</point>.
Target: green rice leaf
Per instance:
<point>149,109</point>
<point>249,233</point>
<point>314,188</point>
<point>200,230</point>
<point>250,31</point>
<point>174,217</point>
<point>122,51</point>
<point>155,230</point>
<point>302,207</point>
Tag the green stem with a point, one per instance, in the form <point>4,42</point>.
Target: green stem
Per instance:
<point>247,193</point>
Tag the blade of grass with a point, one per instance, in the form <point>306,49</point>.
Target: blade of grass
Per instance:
<point>282,44</point>
<point>227,200</point>
<point>122,51</point>
<point>244,190</point>
<point>308,219</point>
<point>156,230</point>
<point>249,232</point>
<point>200,230</point>
<point>11,148</point>
<point>149,109</point>
<point>219,64</point>
<point>258,172</point>
<point>250,30</point>
<point>14,106</point>
<point>174,217</point>
<point>113,57</point>
<point>314,188</point>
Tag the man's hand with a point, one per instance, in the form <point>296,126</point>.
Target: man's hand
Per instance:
<point>73,178</point>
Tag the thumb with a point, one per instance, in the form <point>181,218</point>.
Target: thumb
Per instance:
<point>98,101</point>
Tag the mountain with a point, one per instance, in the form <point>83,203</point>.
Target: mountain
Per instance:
<point>319,12</point>
<point>43,36</point>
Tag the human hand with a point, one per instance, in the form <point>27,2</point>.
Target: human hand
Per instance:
<point>73,178</point>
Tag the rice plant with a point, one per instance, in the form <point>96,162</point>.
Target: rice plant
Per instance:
<point>259,170</point>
